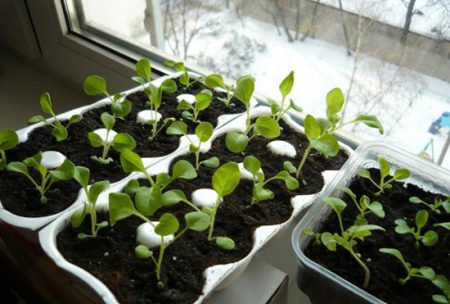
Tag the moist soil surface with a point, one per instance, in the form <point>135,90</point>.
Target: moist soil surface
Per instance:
<point>386,269</point>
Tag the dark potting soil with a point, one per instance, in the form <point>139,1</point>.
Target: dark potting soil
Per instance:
<point>386,269</point>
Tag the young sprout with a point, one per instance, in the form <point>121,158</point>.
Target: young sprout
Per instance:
<point>278,110</point>
<point>82,176</point>
<point>202,102</point>
<point>347,238</point>
<point>108,139</point>
<point>320,131</point>
<point>224,182</point>
<point>179,67</point>
<point>385,169</point>
<point>64,172</point>
<point>59,131</point>
<point>430,238</point>
<point>435,207</point>
<point>443,284</point>
<point>167,228</point>
<point>8,140</point>
<point>203,131</point>
<point>364,205</point>
<point>213,81</point>
<point>260,193</point>
<point>96,85</point>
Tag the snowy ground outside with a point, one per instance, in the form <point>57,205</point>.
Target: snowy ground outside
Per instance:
<point>407,110</point>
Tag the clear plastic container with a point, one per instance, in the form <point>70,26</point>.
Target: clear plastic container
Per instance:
<point>319,283</point>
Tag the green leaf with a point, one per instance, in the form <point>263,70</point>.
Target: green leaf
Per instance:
<point>121,109</point>
<point>184,105</point>
<point>60,133</point>
<point>204,131</point>
<point>197,221</point>
<point>261,193</point>
<point>183,169</point>
<point>144,69</point>
<point>385,168</point>
<point>294,106</point>
<point>168,224</point>
<point>364,173</point>
<point>312,128</point>
<point>225,243</point>
<point>324,124</point>
<point>138,79</point>
<point>108,120</point>
<point>349,193</point>
<point>169,86</point>
<point>421,218</point>
<point>162,180</point>
<point>96,189</point>
<point>212,162</point>
<point>148,200</point>
<point>327,145</point>
<point>394,252</point>
<point>95,85</point>
<point>184,78</point>
<point>427,272</point>
<point>377,209</point>
<point>75,118</point>
<point>401,174</point>
<point>442,283</point>
<point>335,101</point>
<point>267,127</point>
<point>287,84</point>
<point>370,121</point>
<point>244,89</point>
<point>34,161</point>
<point>289,167</point>
<point>64,172</point>
<point>46,103</point>
<point>203,99</point>
<point>177,128</point>
<point>430,238</point>
<point>8,139</point>
<point>440,299</point>
<point>120,207</point>
<point>236,142</point>
<point>123,141</point>
<point>35,119</point>
<point>252,164</point>
<point>81,175</point>
<point>131,162</point>
<point>78,217</point>
<point>362,228</point>
<point>173,197</point>
<point>402,227</point>
<point>214,80</point>
<point>226,178</point>
<point>132,186</point>
<point>143,252</point>
<point>335,203</point>
<point>95,140</point>
<point>290,182</point>
<point>328,241</point>
<point>445,225</point>
<point>415,200</point>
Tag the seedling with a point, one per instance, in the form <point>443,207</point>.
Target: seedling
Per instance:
<point>121,206</point>
<point>430,238</point>
<point>59,131</point>
<point>179,67</point>
<point>8,140</point>
<point>213,81</point>
<point>64,172</point>
<point>203,131</point>
<point>385,169</point>
<point>443,284</point>
<point>278,110</point>
<point>224,182</point>
<point>364,205</point>
<point>154,93</point>
<point>82,176</point>
<point>96,85</point>
<point>347,238</point>
<point>119,142</point>
<point>260,193</point>
<point>436,206</point>
<point>320,131</point>
<point>202,102</point>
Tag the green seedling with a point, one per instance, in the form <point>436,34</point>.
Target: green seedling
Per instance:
<point>82,176</point>
<point>347,238</point>
<point>214,81</point>
<point>203,131</point>
<point>59,131</point>
<point>48,177</point>
<point>260,193</point>
<point>385,169</point>
<point>202,102</point>
<point>429,238</point>
<point>121,206</point>
<point>119,142</point>
<point>184,78</point>
<point>279,109</point>
<point>364,205</point>
<point>320,131</point>
<point>436,206</point>
<point>224,182</point>
<point>154,94</point>
<point>8,140</point>
<point>96,85</point>
<point>443,284</point>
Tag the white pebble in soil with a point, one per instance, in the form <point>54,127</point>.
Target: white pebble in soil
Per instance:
<point>204,197</point>
<point>143,117</point>
<point>189,98</point>
<point>105,136</point>
<point>147,236</point>
<point>245,174</point>
<point>281,147</point>
<point>52,159</point>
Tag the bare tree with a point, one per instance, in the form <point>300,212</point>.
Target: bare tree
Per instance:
<point>409,14</point>
<point>312,24</point>
<point>282,17</point>
<point>297,19</point>
<point>344,28</point>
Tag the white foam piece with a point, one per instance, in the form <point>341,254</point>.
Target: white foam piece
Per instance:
<point>143,117</point>
<point>281,147</point>
<point>245,174</point>
<point>147,236</point>
<point>52,159</point>
<point>105,136</point>
<point>189,98</point>
<point>204,197</point>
